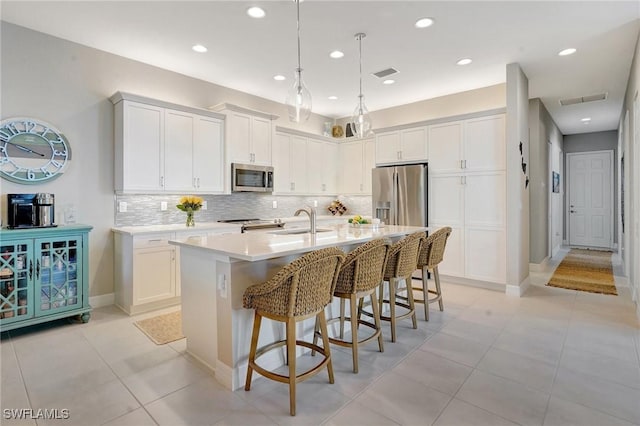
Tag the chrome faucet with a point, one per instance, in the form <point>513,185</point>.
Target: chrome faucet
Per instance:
<point>311,212</point>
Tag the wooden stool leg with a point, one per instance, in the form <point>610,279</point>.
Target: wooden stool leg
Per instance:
<point>291,355</point>
<point>360,307</point>
<point>257,319</point>
<point>316,329</point>
<point>412,304</point>
<point>436,276</point>
<point>425,290</point>
<point>341,319</point>
<point>325,343</point>
<point>354,331</point>
<point>393,284</point>
<point>381,299</point>
<point>376,319</point>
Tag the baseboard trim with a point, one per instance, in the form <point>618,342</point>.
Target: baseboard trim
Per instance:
<point>102,300</point>
<point>518,290</point>
<point>539,267</point>
<point>473,283</point>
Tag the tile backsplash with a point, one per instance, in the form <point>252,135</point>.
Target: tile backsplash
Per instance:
<point>146,209</point>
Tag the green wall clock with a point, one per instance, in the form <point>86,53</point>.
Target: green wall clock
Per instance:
<point>32,151</point>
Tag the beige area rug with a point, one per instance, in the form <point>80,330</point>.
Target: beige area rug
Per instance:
<point>163,328</point>
<point>585,270</point>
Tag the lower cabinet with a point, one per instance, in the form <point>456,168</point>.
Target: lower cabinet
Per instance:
<point>147,269</point>
<point>43,275</point>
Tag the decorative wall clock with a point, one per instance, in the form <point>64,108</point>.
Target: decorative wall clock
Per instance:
<point>32,151</point>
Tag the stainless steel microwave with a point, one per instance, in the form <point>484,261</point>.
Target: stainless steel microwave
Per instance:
<point>251,178</point>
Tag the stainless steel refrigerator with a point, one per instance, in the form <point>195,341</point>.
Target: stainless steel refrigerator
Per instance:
<point>400,194</point>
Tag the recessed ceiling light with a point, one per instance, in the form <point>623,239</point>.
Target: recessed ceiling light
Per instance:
<point>586,120</point>
<point>388,81</point>
<point>199,48</point>
<point>424,22</point>
<point>333,98</point>
<point>336,54</point>
<point>566,52</point>
<point>256,12</point>
<point>279,77</point>
<point>465,61</point>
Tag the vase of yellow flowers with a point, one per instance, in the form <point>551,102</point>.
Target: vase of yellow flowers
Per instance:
<point>190,204</point>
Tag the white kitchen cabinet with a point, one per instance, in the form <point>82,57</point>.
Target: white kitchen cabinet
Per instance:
<point>467,191</point>
<point>290,164</point>
<point>476,144</point>
<point>322,158</point>
<point>400,146</point>
<point>181,148</point>
<point>356,159</point>
<point>147,268</point>
<point>248,134</point>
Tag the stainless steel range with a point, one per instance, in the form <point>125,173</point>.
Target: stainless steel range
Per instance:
<point>255,224</point>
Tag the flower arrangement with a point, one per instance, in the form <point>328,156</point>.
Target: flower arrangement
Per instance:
<point>190,204</point>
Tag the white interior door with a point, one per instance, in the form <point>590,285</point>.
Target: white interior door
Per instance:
<point>591,199</point>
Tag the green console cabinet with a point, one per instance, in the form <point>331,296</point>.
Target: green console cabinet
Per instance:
<point>44,275</point>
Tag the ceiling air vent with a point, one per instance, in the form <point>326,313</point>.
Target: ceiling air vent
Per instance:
<point>385,73</point>
<point>583,99</point>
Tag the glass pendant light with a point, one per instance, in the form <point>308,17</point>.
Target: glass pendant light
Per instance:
<point>361,121</point>
<point>298,98</point>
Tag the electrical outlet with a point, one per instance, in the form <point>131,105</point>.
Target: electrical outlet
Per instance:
<point>122,206</point>
<point>274,204</point>
<point>204,205</point>
<point>163,205</point>
<point>315,203</point>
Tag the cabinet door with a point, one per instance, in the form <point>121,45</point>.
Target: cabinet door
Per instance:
<point>369,163</point>
<point>315,166</point>
<point>239,137</point>
<point>485,143</point>
<point>388,148</point>
<point>261,141</point>
<point>485,199</point>
<point>453,262</point>
<point>299,172</point>
<point>154,275</point>
<point>143,135</point>
<point>178,151</point>
<point>16,281</point>
<point>485,254</point>
<point>330,168</point>
<point>351,168</point>
<point>208,155</point>
<point>446,200</point>
<point>58,275</point>
<point>445,147</point>
<point>413,144</point>
<point>282,164</point>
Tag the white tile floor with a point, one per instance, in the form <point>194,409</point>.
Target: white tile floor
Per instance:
<point>552,357</point>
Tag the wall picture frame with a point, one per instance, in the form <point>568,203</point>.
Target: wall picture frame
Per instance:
<point>556,181</point>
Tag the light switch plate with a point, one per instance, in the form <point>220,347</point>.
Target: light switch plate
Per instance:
<point>204,205</point>
<point>163,205</point>
<point>274,204</point>
<point>122,206</point>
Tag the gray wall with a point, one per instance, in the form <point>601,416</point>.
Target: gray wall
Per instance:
<point>597,141</point>
<point>544,135</point>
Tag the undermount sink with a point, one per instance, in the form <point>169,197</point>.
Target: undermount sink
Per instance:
<point>297,231</point>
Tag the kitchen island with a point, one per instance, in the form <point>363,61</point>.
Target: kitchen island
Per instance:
<point>216,270</point>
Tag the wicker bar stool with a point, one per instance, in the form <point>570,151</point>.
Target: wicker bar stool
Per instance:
<point>431,254</point>
<point>298,291</point>
<point>360,276</point>
<point>401,262</point>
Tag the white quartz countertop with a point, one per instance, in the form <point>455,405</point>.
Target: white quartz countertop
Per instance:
<point>176,227</point>
<point>255,246</point>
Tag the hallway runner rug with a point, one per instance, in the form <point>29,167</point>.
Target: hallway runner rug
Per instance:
<point>585,270</point>
<point>162,328</point>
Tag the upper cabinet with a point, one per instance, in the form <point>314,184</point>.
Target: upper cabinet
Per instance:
<point>289,164</point>
<point>476,144</point>
<point>400,146</point>
<point>356,159</point>
<point>248,134</point>
<point>181,147</point>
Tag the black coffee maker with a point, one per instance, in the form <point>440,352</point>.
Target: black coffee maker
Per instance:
<point>31,210</point>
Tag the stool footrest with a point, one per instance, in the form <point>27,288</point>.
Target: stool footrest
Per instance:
<point>284,378</point>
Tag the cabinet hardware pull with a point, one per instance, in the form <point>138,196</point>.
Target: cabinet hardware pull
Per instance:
<point>162,181</point>
<point>198,182</point>
<point>30,268</point>
<point>38,269</point>
<point>461,166</point>
<point>154,241</point>
<point>465,164</point>
<point>195,182</point>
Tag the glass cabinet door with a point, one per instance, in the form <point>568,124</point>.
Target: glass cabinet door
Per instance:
<point>16,277</point>
<point>58,266</point>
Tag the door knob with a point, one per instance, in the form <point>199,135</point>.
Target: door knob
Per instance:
<point>572,211</point>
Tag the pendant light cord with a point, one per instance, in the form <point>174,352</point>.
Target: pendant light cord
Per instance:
<point>360,47</point>
<point>298,24</point>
